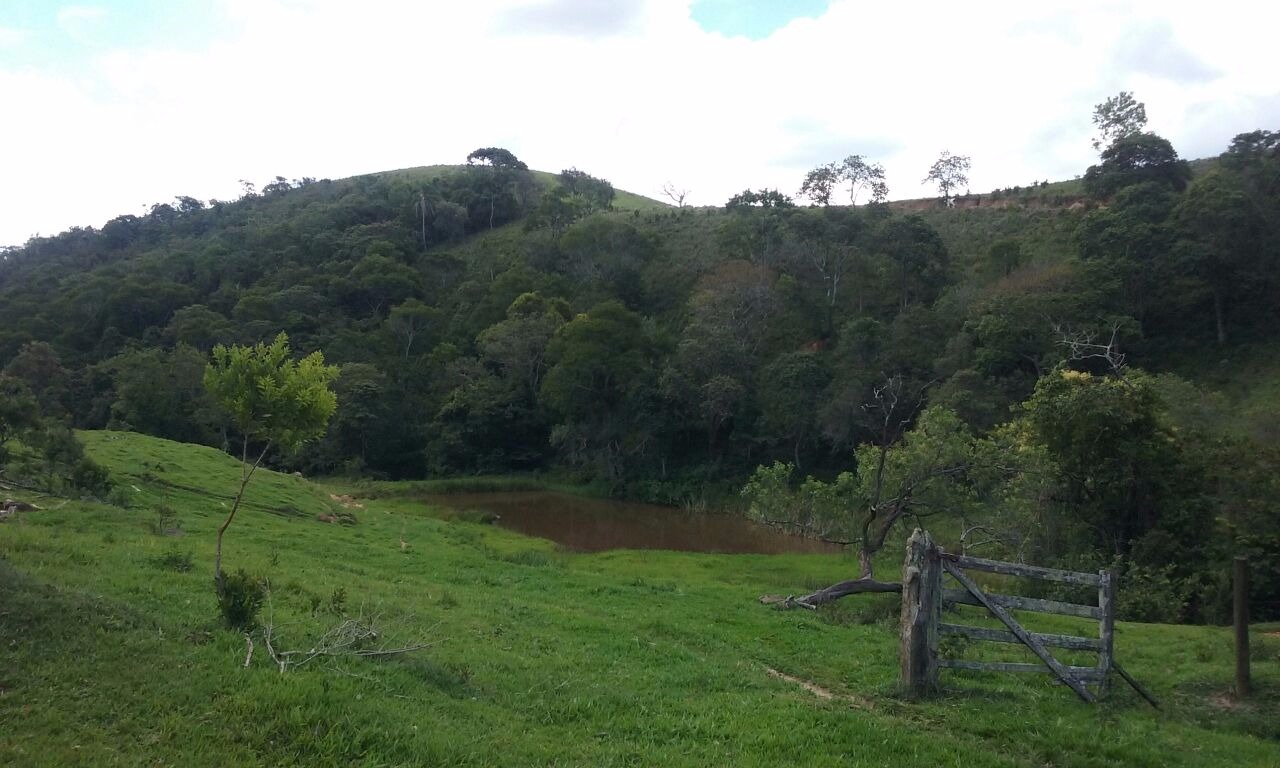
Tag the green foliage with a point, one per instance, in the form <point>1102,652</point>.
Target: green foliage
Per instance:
<point>240,598</point>
<point>930,470</point>
<point>19,414</point>
<point>1118,117</point>
<point>949,173</point>
<point>271,397</point>
<point>180,561</point>
<point>753,335</point>
<point>764,198</point>
<point>1135,159</point>
<point>599,193</point>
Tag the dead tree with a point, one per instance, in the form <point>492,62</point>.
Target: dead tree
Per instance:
<point>677,195</point>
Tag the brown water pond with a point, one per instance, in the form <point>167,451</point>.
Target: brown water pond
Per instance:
<point>591,525</point>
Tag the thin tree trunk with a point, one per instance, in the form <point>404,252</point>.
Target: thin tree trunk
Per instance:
<point>864,562</point>
<point>246,472</point>
<point>1218,317</point>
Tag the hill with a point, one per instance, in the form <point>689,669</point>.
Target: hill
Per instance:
<point>537,656</point>
<point>489,319</point>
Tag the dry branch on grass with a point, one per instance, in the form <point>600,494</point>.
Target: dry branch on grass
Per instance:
<point>353,637</point>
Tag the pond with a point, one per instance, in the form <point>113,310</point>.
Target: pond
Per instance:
<point>592,525</point>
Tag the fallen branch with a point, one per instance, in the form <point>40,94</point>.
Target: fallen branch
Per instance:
<point>832,593</point>
<point>347,638</point>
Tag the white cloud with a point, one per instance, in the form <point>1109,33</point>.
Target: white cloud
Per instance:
<point>641,96</point>
<point>12,37</point>
<point>79,14</point>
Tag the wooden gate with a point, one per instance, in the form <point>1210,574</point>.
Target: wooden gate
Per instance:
<point>923,596</point>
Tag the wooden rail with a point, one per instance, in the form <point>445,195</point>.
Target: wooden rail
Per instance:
<point>923,598</point>
<point>1019,603</point>
<point>1018,569</point>
<point>1004,636</point>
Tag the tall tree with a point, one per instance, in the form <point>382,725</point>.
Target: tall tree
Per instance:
<point>1118,117</point>
<point>860,175</point>
<point>1220,236</point>
<point>948,173</point>
<point>820,183</point>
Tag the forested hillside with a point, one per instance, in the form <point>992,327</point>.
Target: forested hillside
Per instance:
<point>489,319</point>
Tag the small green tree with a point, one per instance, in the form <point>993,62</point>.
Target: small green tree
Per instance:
<point>273,400</point>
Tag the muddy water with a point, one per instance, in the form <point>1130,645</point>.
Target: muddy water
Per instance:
<point>592,525</point>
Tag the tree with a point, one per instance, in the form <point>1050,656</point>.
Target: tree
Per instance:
<point>948,172</point>
<point>1118,117</point>
<point>1134,159</point>
<point>765,198</point>
<point>557,210</point>
<point>855,171</point>
<point>1120,471</point>
<point>788,388</point>
<point>1220,235</point>
<point>919,257</point>
<point>409,319</point>
<point>159,392</point>
<point>916,474</point>
<point>676,194</point>
<point>496,157</point>
<point>38,364</point>
<point>272,400</point>
<point>19,412</point>
<point>1004,257</point>
<point>599,192</point>
<point>596,363</point>
<point>1131,241</point>
<point>820,183</point>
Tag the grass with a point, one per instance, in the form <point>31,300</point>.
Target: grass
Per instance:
<point>110,652</point>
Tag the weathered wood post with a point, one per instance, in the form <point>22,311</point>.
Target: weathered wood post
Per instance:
<point>1242,626</point>
<point>1106,628</point>
<point>921,611</point>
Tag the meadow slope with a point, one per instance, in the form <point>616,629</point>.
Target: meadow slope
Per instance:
<point>111,654</point>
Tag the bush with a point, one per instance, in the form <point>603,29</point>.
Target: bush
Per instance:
<point>118,497</point>
<point>240,599</point>
<point>175,561</point>
<point>1152,594</point>
<point>88,476</point>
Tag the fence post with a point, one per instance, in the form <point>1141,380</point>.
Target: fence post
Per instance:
<point>921,610</point>
<point>1241,583</point>
<point>1106,627</point>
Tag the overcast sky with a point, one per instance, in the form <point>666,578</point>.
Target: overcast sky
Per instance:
<point>108,107</point>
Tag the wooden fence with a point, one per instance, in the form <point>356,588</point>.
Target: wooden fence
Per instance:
<point>923,596</point>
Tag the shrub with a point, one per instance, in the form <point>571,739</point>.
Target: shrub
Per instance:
<point>90,477</point>
<point>175,561</point>
<point>1153,594</point>
<point>240,599</point>
<point>118,497</point>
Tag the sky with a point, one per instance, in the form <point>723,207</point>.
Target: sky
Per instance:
<point>108,107</point>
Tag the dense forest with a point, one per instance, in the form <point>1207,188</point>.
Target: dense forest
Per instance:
<point>1027,362</point>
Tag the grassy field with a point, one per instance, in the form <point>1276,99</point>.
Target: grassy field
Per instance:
<point>110,652</point>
